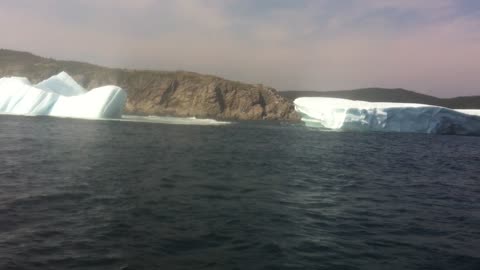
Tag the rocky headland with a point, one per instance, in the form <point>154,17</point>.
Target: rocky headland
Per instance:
<point>162,93</point>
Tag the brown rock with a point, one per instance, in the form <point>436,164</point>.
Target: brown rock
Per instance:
<point>176,93</point>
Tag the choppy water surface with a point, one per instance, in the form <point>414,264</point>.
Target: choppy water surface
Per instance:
<point>78,194</point>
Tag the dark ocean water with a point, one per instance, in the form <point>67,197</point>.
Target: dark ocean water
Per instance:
<point>78,194</point>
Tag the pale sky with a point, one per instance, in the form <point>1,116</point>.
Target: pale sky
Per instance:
<point>430,46</point>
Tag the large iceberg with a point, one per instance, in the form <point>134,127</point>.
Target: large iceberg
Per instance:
<point>353,115</point>
<point>61,96</point>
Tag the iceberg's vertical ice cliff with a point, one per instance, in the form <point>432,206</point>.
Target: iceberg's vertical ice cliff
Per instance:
<point>60,95</point>
<point>352,115</point>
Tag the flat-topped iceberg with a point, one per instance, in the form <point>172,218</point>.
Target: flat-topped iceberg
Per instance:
<point>353,115</point>
<point>61,96</point>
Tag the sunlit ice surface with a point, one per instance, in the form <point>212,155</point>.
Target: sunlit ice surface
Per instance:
<point>353,115</point>
<point>61,96</point>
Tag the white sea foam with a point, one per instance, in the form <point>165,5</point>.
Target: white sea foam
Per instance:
<point>173,120</point>
<point>62,96</point>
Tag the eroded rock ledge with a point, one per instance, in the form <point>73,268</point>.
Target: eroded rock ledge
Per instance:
<point>177,93</point>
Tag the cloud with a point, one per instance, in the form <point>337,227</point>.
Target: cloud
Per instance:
<point>429,45</point>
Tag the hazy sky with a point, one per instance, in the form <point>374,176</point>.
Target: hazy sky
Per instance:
<point>431,46</point>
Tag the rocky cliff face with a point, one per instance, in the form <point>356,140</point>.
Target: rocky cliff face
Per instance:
<point>162,93</point>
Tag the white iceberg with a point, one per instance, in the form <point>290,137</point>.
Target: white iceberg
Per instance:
<point>61,84</point>
<point>61,96</point>
<point>353,115</point>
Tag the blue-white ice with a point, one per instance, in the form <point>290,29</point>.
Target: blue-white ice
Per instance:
<point>353,115</point>
<point>61,96</point>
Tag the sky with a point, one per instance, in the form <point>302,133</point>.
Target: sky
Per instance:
<point>430,46</point>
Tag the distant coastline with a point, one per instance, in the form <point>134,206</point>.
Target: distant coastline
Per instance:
<point>189,94</point>
<point>390,95</point>
<point>161,93</point>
